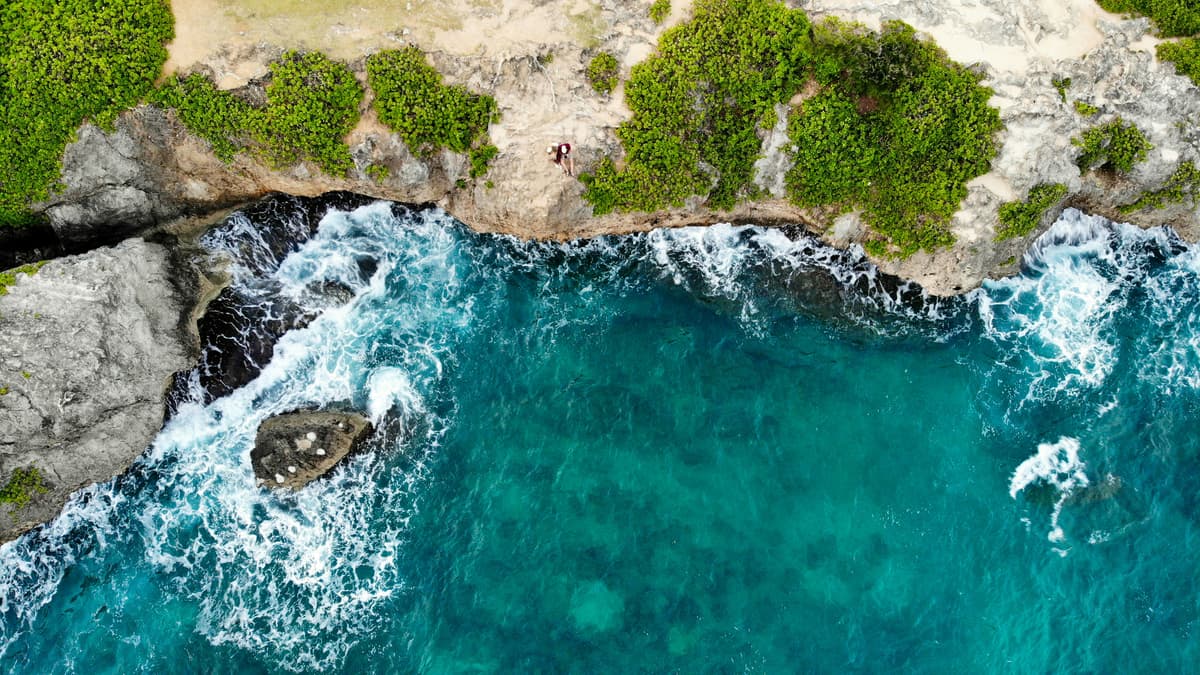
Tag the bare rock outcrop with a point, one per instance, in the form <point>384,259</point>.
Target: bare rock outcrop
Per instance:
<point>294,449</point>
<point>87,348</point>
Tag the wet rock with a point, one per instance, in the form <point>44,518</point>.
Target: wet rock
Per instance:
<point>294,449</point>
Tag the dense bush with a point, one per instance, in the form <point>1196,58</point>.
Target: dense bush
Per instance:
<point>1174,18</point>
<point>1018,219</point>
<point>63,62</point>
<point>603,72</point>
<point>898,132</point>
<point>428,115</point>
<point>481,157</point>
<point>697,104</point>
<point>21,487</point>
<point>1185,53</point>
<point>312,104</point>
<point>1183,184</point>
<point>660,10</point>
<point>1115,146</point>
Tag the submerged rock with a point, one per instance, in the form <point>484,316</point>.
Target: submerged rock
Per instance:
<point>294,449</point>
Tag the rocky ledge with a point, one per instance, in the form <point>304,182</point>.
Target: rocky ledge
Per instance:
<point>89,345</point>
<point>150,170</point>
<point>294,449</point>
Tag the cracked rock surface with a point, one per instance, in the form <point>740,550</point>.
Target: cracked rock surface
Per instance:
<point>87,347</point>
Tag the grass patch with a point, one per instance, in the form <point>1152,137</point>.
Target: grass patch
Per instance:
<point>312,104</point>
<point>429,115</point>
<point>61,63</point>
<point>1114,146</point>
<point>1173,18</point>
<point>9,277</point>
<point>603,72</point>
<point>22,486</point>
<point>1086,109</point>
<point>1184,184</point>
<point>1018,219</point>
<point>660,10</point>
<point>1185,54</point>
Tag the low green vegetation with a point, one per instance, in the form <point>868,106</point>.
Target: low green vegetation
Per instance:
<point>697,105</point>
<point>1020,218</point>
<point>63,62</point>
<point>481,158</point>
<point>603,72</point>
<point>21,487</point>
<point>1183,185</point>
<point>660,10</point>
<point>378,172</point>
<point>1174,18</point>
<point>1185,54</point>
<point>9,277</point>
<point>312,104</point>
<point>1061,85</point>
<point>3,391</point>
<point>895,129</point>
<point>429,115</point>
<point>26,374</point>
<point>897,132</point>
<point>1114,146</point>
<point>1086,109</point>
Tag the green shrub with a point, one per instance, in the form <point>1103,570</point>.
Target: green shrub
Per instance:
<point>603,72</point>
<point>63,62</point>
<point>697,104</point>
<point>428,115</point>
<point>1116,146</point>
<point>378,172</point>
<point>1183,184</point>
<point>898,133</point>
<point>1174,18</point>
<point>9,277</point>
<point>660,10</point>
<point>481,157</point>
<point>229,124</point>
<point>1185,54</point>
<point>1018,219</point>
<point>1086,109</point>
<point>3,391</point>
<point>1061,85</point>
<point>312,104</point>
<point>21,487</point>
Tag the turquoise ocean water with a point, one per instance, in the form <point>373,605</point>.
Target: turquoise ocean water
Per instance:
<point>700,450</point>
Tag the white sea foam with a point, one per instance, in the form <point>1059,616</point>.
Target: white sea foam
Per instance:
<point>1056,464</point>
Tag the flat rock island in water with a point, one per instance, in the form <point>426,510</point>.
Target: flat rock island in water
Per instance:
<point>294,449</point>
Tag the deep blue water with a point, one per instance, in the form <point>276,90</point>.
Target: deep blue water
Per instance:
<point>714,450</point>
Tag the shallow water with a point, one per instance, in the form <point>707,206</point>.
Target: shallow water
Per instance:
<point>692,450</point>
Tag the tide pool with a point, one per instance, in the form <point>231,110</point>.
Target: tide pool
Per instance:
<point>699,450</point>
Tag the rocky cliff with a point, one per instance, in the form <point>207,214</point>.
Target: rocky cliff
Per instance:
<point>87,349</point>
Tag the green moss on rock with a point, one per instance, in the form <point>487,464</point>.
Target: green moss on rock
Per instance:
<point>22,486</point>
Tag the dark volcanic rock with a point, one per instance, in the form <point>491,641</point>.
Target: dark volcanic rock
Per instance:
<point>293,449</point>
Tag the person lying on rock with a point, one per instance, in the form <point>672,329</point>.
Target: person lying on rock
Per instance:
<point>562,157</point>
